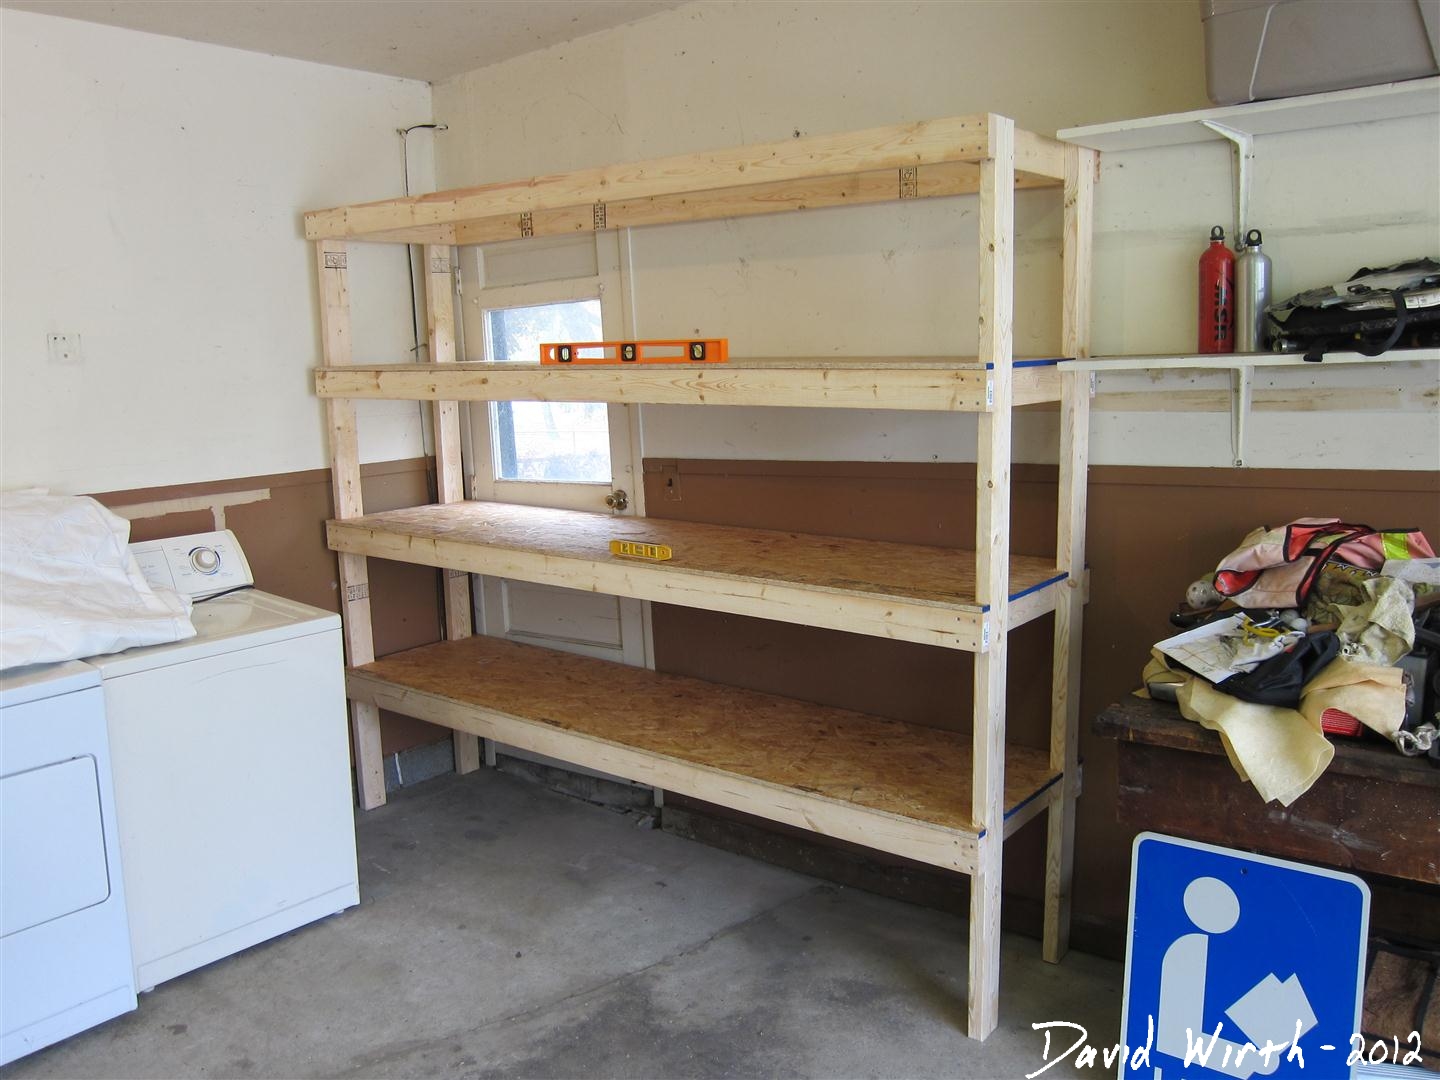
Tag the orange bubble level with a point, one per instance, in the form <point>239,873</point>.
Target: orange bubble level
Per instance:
<point>681,351</point>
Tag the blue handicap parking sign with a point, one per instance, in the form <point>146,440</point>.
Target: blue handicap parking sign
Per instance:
<point>1230,953</point>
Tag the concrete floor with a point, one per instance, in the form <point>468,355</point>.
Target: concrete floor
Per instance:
<point>505,930</point>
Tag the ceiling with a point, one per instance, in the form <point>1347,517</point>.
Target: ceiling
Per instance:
<point>430,40</point>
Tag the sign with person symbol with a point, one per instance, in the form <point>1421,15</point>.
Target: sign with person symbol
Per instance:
<point>1240,965</point>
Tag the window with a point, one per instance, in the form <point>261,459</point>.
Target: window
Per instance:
<point>560,442</point>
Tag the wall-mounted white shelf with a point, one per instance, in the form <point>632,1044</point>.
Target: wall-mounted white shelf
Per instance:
<point>1242,370</point>
<point>1240,361</point>
<point>1240,124</point>
<point>1415,97</point>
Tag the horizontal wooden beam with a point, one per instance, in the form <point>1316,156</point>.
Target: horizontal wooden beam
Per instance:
<point>1018,818</point>
<point>1035,385</point>
<point>438,235</point>
<point>902,591</point>
<point>1163,399</point>
<point>857,189</point>
<point>1038,156</point>
<point>925,142</point>
<point>821,383</point>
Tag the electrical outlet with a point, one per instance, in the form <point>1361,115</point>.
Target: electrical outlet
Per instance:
<point>64,348</point>
<point>671,491</point>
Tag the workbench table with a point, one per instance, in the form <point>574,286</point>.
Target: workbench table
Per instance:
<point>1373,810</point>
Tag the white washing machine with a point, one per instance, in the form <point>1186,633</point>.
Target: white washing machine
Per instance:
<point>231,766</point>
<point>65,960</point>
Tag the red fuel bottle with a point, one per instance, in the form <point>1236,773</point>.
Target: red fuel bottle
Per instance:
<point>1217,296</point>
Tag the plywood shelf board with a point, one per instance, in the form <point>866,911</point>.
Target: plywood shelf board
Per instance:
<point>924,383</point>
<point>885,767</point>
<point>838,169</point>
<point>872,586</point>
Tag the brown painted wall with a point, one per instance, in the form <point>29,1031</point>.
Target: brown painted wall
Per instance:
<point>283,537</point>
<point>1150,533</point>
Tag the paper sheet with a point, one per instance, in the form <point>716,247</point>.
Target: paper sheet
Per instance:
<point>1220,649</point>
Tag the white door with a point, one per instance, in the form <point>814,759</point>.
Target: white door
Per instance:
<point>513,296</point>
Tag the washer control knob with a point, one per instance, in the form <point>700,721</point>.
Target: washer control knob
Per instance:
<point>205,560</point>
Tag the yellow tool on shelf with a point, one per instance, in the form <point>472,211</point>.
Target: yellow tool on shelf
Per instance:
<point>634,549</point>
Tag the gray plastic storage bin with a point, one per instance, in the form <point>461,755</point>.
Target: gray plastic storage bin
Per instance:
<point>1257,49</point>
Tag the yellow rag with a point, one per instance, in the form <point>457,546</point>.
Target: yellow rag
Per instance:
<point>1373,694</point>
<point>1278,750</point>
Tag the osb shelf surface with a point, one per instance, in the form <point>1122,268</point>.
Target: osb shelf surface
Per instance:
<point>910,573</point>
<point>923,159</point>
<point>924,383</point>
<point>886,766</point>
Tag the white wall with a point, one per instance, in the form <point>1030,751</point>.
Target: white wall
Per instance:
<point>899,279</point>
<point>720,73</point>
<point>152,197</point>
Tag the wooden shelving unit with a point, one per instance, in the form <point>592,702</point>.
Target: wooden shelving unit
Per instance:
<point>946,799</point>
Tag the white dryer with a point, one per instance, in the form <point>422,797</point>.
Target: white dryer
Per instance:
<point>64,945</point>
<point>232,781</point>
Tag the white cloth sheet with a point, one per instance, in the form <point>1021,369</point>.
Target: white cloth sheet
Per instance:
<point>69,587</point>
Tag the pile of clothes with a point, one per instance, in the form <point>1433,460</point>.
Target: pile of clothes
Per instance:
<point>1316,628</point>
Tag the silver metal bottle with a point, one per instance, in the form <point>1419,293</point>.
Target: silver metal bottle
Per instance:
<point>1252,294</point>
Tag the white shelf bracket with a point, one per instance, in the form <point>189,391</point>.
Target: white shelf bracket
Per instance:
<point>1241,383</point>
<point>1244,147</point>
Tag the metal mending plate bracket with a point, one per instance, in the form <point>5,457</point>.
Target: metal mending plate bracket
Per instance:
<point>599,216</point>
<point>910,182</point>
<point>527,224</point>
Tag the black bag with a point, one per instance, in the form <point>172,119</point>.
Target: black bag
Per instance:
<point>1374,311</point>
<point>1423,667</point>
<point>1279,680</point>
